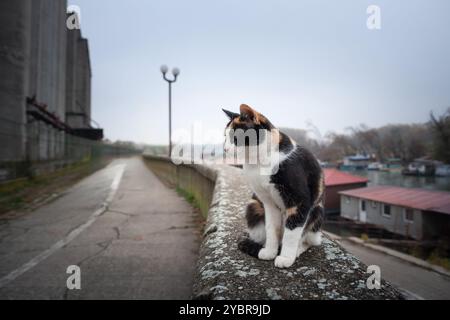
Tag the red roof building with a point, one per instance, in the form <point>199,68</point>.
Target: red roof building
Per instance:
<point>337,181</point>
<point>421,199</point>
<point>416,213</point>
<point>334,177</point>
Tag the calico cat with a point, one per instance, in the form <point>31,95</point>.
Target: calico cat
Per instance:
<point>287,206</point>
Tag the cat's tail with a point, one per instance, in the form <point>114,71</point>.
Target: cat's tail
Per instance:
<point>254,241</point>
<point>250,247</point>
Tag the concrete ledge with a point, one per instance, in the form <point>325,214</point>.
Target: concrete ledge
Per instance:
<point>224,272</point>
<point>195,180</point>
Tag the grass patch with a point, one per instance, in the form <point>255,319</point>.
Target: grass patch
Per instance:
<point>437,259</point>
<point>189,197</point>
<point>364,237</point>
<point>21,193</point>
<point>168,176</point>
<point>417,252</point>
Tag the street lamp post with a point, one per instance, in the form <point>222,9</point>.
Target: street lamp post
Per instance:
<point>175,73</point>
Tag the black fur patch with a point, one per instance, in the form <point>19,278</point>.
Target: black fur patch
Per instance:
<point>249,246</point>
<point>285,143</point>
<point>299,218</point>
<point>298,181</point>
<point>315,219</point>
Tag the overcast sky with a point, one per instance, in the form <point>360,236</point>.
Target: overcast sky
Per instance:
<point>294,61</point>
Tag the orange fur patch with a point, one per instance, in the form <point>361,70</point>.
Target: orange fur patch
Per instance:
<point>291,211</point>
<point>257,117</point>
<point>276,137</point>
<point>256,207</point>
<point>320,190</point>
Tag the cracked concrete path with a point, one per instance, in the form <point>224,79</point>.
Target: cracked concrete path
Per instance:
<point>142,245</point>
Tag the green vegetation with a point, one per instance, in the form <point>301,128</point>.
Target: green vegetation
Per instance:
<point>441,134</point>
<point>167,174</point>
<point>436,258</point>
<point>189,197</point>
<point>156,150</point>
<point>20,193</point>
<point>417,252</point>
<point>364,237</point>
<point>404,141</point>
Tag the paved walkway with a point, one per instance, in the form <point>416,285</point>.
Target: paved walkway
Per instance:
<point>142,245</point>
<point>418,282</point>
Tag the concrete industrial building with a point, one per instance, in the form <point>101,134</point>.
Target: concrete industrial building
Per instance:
<point>45,83</point>
<point>78,81</point>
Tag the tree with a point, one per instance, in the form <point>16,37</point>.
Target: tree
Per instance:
<point>404,141</point>
<point>441,134</point>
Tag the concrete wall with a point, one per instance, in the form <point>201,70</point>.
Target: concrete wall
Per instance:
<point>84,82</point>
<point>48,55</point>
<point>78,81</point>
<point>33,63</point>
<point>15,25</point>
<point>350,208</point>
<point>47,76</point>
<point>195,180</point>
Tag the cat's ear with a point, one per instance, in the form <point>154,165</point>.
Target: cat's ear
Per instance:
<point>249,112</point>
<point>230,114</point>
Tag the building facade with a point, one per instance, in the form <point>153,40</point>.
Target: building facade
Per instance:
<point>45,83</point>
<point>415,213</point>
<point>78,81</point>
<point>335,182</point>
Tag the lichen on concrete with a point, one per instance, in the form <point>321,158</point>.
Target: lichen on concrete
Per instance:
<point>224,272</point>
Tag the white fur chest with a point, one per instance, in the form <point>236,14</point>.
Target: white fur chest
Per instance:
<point>261,185</point>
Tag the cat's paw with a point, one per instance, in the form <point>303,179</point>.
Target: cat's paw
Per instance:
<point>267,254</point>
<point>284,262</point>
